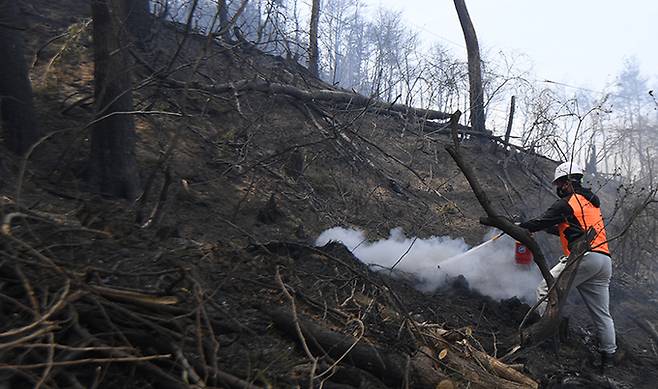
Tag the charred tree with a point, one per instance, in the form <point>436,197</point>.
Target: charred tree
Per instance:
<point>493,218</point>
<point>474,72</point>
<point>510,119</point>
<point>113,166</point>
<point>313,52</point>
<point>16,109</point>
<point>224,28</point>
<point>558,288</point>
<point>138,21</point>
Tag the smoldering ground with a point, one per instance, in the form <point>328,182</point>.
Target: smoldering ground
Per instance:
<point>489,268</point>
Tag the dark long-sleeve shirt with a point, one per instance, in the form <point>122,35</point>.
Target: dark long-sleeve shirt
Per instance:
<point>560,212</point>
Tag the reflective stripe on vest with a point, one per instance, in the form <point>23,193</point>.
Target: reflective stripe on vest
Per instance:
<point>588,216</point>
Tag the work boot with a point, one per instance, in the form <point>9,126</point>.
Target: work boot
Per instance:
<point>608,361</point>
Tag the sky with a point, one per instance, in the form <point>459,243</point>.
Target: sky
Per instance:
<point>578,42</point>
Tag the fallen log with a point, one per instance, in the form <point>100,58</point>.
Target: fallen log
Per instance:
<point>392,368</point>
<point>389,367</point>
<point>351,376</point>
<point>476,372</point>
<point>501,369</point>
<point>425,366</point>
<point>334,96</point>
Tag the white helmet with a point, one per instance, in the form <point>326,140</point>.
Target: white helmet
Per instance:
<point>568,169</point>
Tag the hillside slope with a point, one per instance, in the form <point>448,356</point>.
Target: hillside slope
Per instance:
<point>194,283</point>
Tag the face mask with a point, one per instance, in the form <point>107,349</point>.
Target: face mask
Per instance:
<point>560,192</point>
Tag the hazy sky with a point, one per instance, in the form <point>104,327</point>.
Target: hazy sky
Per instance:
<point>580,42</point>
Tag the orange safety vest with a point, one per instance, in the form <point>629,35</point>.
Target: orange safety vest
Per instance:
<point>588,216</point>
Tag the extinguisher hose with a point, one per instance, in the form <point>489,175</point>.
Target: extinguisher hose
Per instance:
<point>476,247</point>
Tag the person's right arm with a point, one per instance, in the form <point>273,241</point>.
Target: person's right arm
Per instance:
<point>548,221</point>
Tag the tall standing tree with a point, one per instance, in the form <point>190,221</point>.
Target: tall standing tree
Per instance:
<point>313,52</point>
<point>632,108</point>
<point>139,21</point>
<point>16,109</point>
<point>356,52</point>
<point>334,24</point>
<point>474,72</point>
<point>113,165</point>
<point>222,10</point>
<point>388,35</point>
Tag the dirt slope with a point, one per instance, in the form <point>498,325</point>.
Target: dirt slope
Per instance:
<point>254,179</point>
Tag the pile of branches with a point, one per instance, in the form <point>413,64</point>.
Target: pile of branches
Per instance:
<point>63,327</point>
<point>66,326</point>
<point>345,344</point>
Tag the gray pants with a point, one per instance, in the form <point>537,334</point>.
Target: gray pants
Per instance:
<point>592,281</point>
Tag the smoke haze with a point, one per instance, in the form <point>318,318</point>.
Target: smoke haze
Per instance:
<point>489,268</point>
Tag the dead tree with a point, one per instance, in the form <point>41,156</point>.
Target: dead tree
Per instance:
<point>222,9</point>
<point>334,96</point>
<point>494,219</point>
<point>474,72</point>
<point>113,165</point>
<point>558,288</point>
<point>510,119</point>
<point>16,109</point>
<point>313,52</point>
<point>139,21</point>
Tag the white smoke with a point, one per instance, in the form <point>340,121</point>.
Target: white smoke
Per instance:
<point>489,268</point>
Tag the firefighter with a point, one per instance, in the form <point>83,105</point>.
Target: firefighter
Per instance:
<point>576,211</point>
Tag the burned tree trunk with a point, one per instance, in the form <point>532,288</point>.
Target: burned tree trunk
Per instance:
<point>510,119</point>
<point>557,295</point>
<point>474,72</point>
<point>558,289</point>
<point>16,110</point>
<point>386,366</point>
<point>493,219</point>
<point>138,21</point>
<point>113,165</point>
<point>313,52</point>
<point>224,28</point>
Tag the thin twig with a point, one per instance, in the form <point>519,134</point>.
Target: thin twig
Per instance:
<point>298,328</point>
<point>362,330</point>
<point>84,362</point>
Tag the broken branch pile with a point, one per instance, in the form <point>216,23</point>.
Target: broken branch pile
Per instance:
<point>70,324</point>
<point>425,355</point>
<point>63,327</point>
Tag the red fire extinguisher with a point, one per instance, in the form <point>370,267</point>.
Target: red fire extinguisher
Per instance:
<point>522,255</point>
